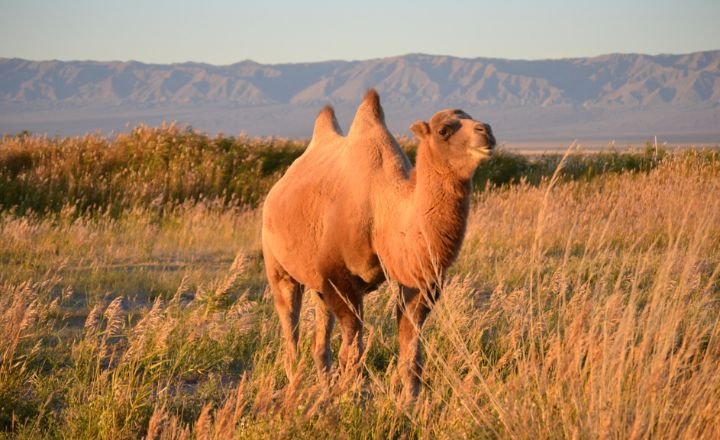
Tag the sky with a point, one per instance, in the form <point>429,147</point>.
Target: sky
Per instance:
<point>223,32</point>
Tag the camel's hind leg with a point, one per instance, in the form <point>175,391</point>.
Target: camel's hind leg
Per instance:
<point>287,294</point>
<point>349,312</point>
<point>343,299</point>
<point>324,323</point>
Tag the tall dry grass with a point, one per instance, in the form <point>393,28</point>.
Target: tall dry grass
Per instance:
<point>576,310</point>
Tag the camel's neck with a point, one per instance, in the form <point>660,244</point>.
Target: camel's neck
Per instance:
<point>439,210</point>
<point>442,201</point>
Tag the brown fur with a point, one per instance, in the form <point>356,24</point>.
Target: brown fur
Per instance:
<point>351,209</point>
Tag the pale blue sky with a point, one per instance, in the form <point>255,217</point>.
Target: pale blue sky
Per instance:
<point>267,31</point>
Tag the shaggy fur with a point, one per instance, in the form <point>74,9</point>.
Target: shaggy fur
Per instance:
<point>351,210</point>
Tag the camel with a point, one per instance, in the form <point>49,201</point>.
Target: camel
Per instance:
<point>351,212</point>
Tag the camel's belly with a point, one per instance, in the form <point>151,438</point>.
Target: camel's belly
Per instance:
<point>322,242</point>
<point>323,269</point>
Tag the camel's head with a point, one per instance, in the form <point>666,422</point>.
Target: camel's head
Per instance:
<point>454,135</point>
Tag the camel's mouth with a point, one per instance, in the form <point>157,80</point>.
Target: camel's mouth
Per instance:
<point>481,151</point>
<point>484,147</point>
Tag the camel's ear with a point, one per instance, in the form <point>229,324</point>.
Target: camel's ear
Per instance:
<point>421,129</point>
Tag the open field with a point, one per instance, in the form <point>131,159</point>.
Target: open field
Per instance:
<point>134,304</point>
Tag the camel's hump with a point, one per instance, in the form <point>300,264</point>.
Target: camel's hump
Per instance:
<point>326,124</point>
<point>369,114</point>
<point>371,105</point>
<point>326,130</point>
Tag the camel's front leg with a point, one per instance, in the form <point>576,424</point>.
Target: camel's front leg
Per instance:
<point>412,310</point>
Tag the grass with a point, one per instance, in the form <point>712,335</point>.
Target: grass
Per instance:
<point>581,307</point>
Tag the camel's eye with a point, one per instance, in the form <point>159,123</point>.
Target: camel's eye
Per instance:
<point>448,128</point>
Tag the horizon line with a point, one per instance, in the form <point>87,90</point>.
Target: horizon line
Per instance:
<point>248,60</point>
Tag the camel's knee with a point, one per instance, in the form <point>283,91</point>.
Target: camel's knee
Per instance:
<point>323,360</point>
<point>352,348</point>
<point>290,358</point>
<point>322,354</point>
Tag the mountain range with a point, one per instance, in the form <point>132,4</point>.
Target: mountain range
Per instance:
<point>617,96</point>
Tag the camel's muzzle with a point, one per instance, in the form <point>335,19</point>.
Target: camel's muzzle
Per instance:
<point>486,130</point>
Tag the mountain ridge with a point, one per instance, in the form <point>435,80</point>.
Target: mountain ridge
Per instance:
<point>683,86</point>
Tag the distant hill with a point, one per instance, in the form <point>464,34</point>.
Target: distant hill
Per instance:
<point>606,97</point>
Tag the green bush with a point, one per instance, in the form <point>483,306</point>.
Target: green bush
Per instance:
<point>146,167</point>
<point>166,166</point>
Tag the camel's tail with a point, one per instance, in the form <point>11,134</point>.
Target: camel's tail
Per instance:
<point>369,115</point>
